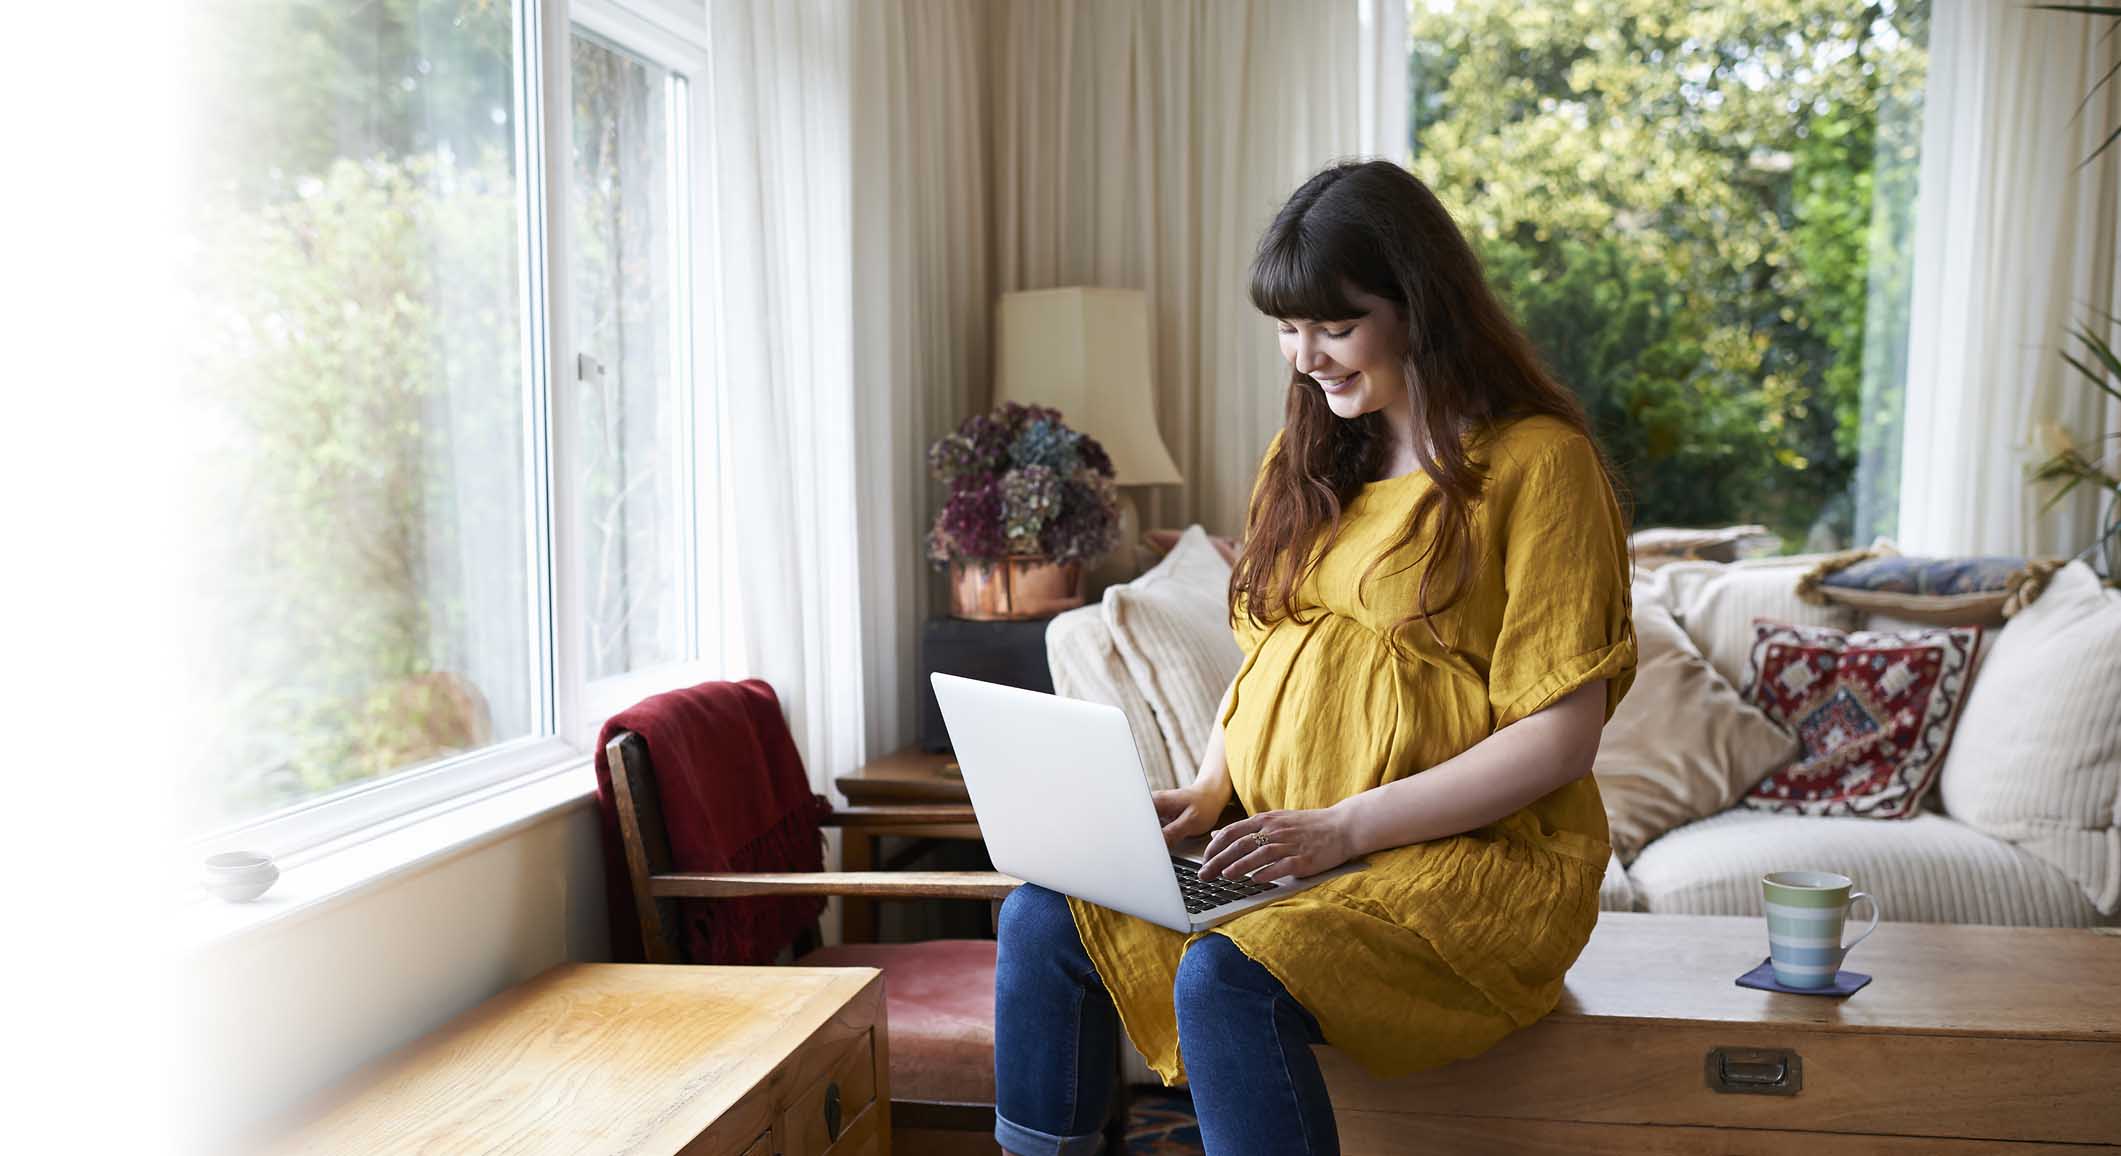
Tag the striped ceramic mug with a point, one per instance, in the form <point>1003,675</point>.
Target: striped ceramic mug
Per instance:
<point>1805,913</point>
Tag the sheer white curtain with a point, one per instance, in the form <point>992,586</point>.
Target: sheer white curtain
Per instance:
<point>2015,242</point>
<point>1146,145</point>
<point>851,297</point>
<point>781,295</point>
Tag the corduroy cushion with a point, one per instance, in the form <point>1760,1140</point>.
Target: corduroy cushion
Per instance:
<point>2036,760</point>
<point>939,1011</point>
<point>1171,627</point>
<point>1926,869</point>
<point>1716,603</point>
<point>1086,665</point>
<point>1682,745</point>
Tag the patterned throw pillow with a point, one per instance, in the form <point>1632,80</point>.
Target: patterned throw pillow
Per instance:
<point>1872,711</point>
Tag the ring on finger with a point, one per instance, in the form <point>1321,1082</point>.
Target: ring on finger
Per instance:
<point>1259,840</point>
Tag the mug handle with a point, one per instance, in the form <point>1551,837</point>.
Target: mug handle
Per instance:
<point>1853,897</point>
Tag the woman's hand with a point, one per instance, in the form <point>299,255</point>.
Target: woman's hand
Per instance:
<point>1288,843</point>
<point>1186,812</point>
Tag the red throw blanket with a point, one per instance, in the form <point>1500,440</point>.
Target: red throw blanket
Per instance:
<point>735,798</point>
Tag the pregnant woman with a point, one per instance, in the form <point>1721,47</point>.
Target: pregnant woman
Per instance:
<point>1433,608</point>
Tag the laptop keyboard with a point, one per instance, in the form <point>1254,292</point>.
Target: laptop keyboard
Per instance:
<point>1203,894</point>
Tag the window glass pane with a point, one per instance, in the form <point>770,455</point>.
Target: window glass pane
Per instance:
<point>1702,216</point>
<point>354,221</point>
<point>625,293</point>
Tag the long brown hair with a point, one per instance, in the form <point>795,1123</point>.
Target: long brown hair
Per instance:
<point>1374,227</point>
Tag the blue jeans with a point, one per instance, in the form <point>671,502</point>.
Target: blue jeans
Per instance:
<point>1245,1039</point>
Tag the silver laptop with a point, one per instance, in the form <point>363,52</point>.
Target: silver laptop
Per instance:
<point>1063,803</point>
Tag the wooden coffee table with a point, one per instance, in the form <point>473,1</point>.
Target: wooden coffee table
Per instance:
<point>1968,1039</point>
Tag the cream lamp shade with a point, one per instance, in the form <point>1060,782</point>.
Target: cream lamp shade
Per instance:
<point>1085,352</point>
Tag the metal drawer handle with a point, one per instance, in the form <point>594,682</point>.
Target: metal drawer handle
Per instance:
<point>1761,1071</point>
<point>832,1111</point>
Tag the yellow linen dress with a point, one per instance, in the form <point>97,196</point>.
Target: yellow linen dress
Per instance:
<point>1434,951</point>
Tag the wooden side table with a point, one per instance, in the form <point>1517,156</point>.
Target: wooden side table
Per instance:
<point>634,1058</point>
<point>908,776</point>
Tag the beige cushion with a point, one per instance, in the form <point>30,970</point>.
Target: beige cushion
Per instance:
<point>1171,627</point>
<point>2036,758</point>
<point>1924,869</point>
<point>1716,603</point>
<point>1682,745</point>
<point>1085,665</point>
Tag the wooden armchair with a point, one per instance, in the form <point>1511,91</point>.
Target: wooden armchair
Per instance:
<point>938,994</point>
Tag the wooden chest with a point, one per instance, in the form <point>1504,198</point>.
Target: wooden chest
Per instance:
<point>632,1060</point>
<point>1967,1040</point>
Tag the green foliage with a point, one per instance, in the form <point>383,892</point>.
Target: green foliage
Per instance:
<point>1679,204</point>
<point>357,346</point>
<point>286,88</point>
<point>348,323</point>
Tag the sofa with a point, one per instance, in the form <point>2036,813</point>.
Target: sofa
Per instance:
<point>2013,823</point>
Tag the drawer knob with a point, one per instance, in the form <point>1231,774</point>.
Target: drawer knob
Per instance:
<point>1759,1071</point>
<point>832,1111</point>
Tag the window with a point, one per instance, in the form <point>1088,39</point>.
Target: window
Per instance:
<point>1702,216</point>
<point>445,517</point>
<point>632,366</point>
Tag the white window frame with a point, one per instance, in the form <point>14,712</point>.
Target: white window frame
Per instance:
<point>569,710</point>
<point>675,40</point>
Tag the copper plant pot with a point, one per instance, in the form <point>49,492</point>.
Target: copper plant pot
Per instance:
<point>1015,588</point>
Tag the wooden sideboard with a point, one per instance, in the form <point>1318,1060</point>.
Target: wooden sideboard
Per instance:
<point>630,1060</point>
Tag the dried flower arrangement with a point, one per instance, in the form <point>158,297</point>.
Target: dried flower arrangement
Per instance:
<point>1022,484</point>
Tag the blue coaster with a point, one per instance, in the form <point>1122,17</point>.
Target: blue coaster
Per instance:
<point>1763,977</point>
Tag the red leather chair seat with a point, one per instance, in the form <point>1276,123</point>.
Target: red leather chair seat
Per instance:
<point>939,1000</point>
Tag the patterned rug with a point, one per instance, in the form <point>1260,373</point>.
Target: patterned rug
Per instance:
<point>1160,1123</point>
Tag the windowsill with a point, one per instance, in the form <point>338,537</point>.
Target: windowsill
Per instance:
<point>327,876</point>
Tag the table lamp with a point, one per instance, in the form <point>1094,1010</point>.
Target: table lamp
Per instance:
<point>1085,352</point>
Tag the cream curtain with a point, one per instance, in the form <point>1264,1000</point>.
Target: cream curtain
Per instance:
<point>1146,145</point>
<point>923,300</point>
<point>2015,242</point>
